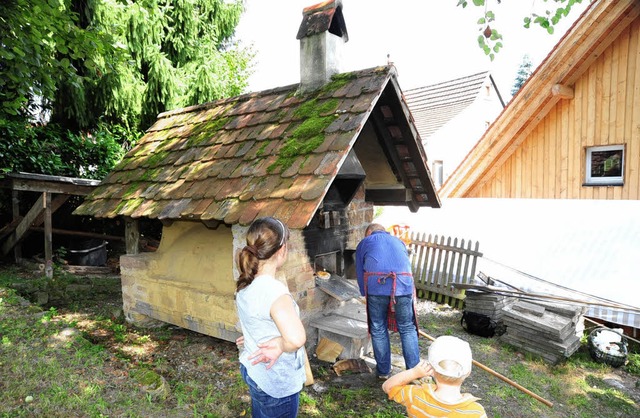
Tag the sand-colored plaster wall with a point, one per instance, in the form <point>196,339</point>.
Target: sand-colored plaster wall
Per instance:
<point>188,282</point>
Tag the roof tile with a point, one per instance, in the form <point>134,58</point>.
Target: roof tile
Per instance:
<point>355,121</point>
<point>211,211</point>
<point>342,142</point>
<point>284,187</point>
<point>269,184</point>
<point>142,209</point>
<point>296,189</point>
<point>251,211</point>
<point>295,166</point>
<point>315,188</point>
<point>236,210</point>
<point>167,191</point>
<point>285,210</point>
<point>303,213</point>
<point>226,206</point>
<point>329,164</point>
<point>311,164</point>
<point>270,207</point>
<point>233,160</point>
<point>173,209</point>
<point>196,208</point>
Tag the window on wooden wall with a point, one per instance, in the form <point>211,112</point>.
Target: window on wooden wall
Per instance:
<point>605,165</point>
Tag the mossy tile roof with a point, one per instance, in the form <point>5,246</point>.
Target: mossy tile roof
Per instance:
<point>274,152</point>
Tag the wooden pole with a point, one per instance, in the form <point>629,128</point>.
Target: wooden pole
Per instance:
<point>499,376</point>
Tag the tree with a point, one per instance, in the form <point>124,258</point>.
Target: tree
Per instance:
<point>524,71</point>
<point>40,39</point>
<point>117,61</point>
<point>490,39</point>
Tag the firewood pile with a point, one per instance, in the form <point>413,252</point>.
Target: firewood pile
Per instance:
<point>551,331</point>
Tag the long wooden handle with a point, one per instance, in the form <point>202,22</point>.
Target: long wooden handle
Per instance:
<point>501,377</point>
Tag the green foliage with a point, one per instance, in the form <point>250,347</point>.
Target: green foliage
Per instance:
<point>117,61</point>
<point>42,41</point>
<point>55,151</point>
<point>490,40</point>
<point>524,71</point>
<point>309,134</point>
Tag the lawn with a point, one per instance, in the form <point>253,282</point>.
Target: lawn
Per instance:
<point>76,356</point>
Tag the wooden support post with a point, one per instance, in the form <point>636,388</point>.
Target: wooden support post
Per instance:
<point>15,203</point>
<point>23,226</point>
<point>48,236</point>
<point>132,235</point>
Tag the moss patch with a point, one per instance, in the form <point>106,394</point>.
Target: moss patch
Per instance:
<point>338,81</point>
<point>156,158</point>
<point>309,135</point>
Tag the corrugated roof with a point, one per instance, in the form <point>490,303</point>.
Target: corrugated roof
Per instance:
<point>272,153</point>
<point>434,105</point>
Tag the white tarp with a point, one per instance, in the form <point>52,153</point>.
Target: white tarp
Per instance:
<point>574,248</point>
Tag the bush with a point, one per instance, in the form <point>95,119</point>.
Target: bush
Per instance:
<point>51,150</point>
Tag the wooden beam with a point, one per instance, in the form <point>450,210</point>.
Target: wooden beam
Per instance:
<point>562,91</point>
<point>48,236</point>
<point>15,205</point>
<point>382,131</point>
<point>387,196</point>
<point>132,235</point>
<point>55,205</point>
<point>79,233</point>
<point>417,152</point>
<point>24,225</point>
<point>52,187</point>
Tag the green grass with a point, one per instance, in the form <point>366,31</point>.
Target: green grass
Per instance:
<point>79,359</point>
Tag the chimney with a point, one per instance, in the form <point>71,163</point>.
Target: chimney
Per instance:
<point>322,34</point>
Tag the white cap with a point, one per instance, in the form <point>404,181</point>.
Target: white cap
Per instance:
<point>454,349</point>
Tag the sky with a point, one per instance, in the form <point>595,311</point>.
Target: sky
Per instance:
<point>429,41</point>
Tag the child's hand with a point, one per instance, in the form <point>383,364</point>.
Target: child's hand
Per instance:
<point>268,352</point>
<point>423,369</point>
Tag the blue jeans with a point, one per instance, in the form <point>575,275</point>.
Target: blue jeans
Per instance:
<point>265,406</point>
<point>377,308</point>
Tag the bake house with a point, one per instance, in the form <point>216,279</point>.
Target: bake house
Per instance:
<point>318,155</point>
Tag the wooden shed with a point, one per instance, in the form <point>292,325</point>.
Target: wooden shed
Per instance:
<point>571,132</point>
<point>318,155</point>
<point>566,153</point>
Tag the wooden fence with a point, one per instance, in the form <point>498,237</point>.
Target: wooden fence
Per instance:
<point>438,263</point>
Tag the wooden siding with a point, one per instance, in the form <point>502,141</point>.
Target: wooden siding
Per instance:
<point>605,110</point>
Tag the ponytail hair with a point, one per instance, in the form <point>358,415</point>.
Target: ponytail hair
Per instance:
<point>265,237</point>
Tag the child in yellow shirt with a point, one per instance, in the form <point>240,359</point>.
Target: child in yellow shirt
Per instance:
<point>449,363</point>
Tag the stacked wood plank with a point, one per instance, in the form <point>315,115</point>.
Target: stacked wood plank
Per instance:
<point>489,304</point>
<point>551,331</point>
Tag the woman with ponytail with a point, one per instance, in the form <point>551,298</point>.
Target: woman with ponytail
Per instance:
<point>272,355</point>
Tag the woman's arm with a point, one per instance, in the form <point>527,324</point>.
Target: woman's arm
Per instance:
<point>293,335</point>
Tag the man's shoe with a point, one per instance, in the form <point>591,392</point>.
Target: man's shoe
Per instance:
<point>383,376</point>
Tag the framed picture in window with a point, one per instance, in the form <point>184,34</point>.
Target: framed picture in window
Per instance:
<point>605,165</point>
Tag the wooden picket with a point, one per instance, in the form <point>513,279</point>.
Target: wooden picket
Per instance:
<point>438,263</point>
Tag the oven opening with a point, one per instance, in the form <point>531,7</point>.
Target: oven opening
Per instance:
<point>331,262</point>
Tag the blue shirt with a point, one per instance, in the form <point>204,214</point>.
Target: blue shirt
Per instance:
<point>381,252</point>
